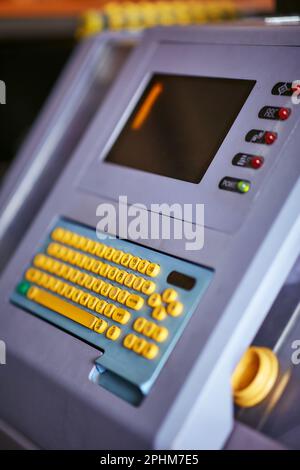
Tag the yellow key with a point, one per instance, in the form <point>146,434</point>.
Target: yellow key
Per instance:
<point>67,237</point>
<point>100,249</point>
<point>126,258</point>
<point>100,326</point>
<point>149,329</point>
<point>69,291</point>
<point>79,260</point>
<point>120,277</point>
<point>84,299</point>
<point>139,324</point>
<point>89,282</point>
<point>104,269</point>
<point>154,300</point>
<point>105,289</point>
<point>153,270</point>
<point>122,296</point>
<point>96,266</point>
<point>109,310</point>
<point>175,309</point>
<point>58,234</point>
<point>81,279</point>
<point>150,351</point>
<point>97,285</point>
<point>74,275</point>
<point>113,332</point>
<point>101,306</point>
<point>169,295</point>
<point>113,293</point>
<point>121,316</point>
<point>91,248</point>
<point>129,279</point>
<point>32,275</point>
<point>159,313</point>
<point>63,253</point>
<point>88,263</point>
<point>83,242</point>
<point>139,345</point>
<point>52,250</point>
<point>63,270</point>
<point>116,257</point>
<point>113,271</point>
<point>148,287</point>
<point>76,295</point>
<point>129,341</point>
<point>53,284</point>
<point>61,306</point>
<point>142,266</point>
<point>135,302</point>
<point>109,252</point>
<point>138,283</point>
<point>133,263</point>
<point>74,241</point>
<point>92,302</point>
<point>72,257</point>
<point>60,288</point>
<point>160,334</point>
<point>39,260</point>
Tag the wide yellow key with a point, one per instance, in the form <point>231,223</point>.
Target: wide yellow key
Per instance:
<point>159,313</point>
<point>135,302</point>
<point>154,300</point>
<point>121,316</point>
<point>64,308</point>
<point>169,295</point>
<point>175,308</point>
<point>148,287</point>
<point>113,332</point>
<point>129,341</point>
<point>153,270</point>
<point>160,334</point>
<point>100,326</point>
<point>150,351</point>
<point>139,324</point>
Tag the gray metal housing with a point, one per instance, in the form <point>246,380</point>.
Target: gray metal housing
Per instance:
<point>251,242</point>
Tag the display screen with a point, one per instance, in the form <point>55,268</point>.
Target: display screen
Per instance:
<point>178,125</point>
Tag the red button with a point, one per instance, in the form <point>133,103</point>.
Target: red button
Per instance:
<point>270,137</point>
<point>256,162</point>
<point>284,113</point>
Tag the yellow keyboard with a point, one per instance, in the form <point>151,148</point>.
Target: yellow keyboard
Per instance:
<point>129,301</point>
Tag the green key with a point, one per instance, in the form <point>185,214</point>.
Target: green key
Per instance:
<point>23,287</point>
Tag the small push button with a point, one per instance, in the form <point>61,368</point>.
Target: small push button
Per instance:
<point>258,136</point>
<point>274,113</point>
<point>245,160</point>
<point>235,185</point>
<point>283,89</point>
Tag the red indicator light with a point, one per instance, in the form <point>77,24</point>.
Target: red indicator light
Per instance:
<point>270,138</point>
<point>284,113</point>
<point>256,162</point>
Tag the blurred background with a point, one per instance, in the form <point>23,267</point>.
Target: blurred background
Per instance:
<point>38,36</point>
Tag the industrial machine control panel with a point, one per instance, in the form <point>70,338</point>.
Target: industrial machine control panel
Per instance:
<point>142,335</point>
